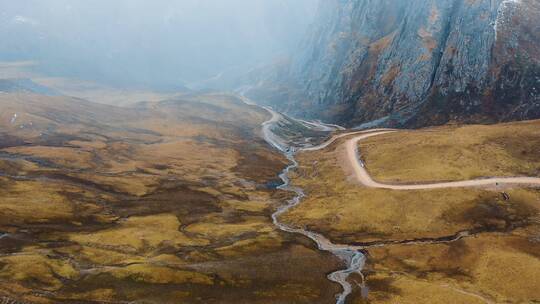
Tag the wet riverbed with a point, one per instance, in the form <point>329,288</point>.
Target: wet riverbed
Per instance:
<point>352,256</point>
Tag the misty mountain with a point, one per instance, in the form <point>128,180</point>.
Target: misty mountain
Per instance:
<point>414,63</point>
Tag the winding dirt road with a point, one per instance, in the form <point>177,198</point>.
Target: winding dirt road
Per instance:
<point>363,177</point>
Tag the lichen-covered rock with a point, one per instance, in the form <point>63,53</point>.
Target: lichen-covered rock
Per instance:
<point>419,62</point>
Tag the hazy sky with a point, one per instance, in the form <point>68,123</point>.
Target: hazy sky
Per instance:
<point>156,42</point>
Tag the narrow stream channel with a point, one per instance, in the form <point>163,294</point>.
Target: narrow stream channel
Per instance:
<point>352,256</point>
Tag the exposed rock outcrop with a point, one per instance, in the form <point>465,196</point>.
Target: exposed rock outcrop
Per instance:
<point>418,62</point>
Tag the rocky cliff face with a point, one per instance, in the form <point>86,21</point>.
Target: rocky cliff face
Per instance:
<point>420,62</point>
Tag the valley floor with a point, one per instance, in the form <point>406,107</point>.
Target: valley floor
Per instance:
<point>159,202</point>
<point>172,202</point>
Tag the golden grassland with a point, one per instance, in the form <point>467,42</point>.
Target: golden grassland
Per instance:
<point>502,268</point>
<point>454,153</point>
<point>499,262</point>
<point>161,202</point>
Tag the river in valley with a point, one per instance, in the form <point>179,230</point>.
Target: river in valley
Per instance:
<point>352,256</point>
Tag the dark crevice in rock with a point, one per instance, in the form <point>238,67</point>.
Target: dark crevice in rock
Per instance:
<point>447,29</point>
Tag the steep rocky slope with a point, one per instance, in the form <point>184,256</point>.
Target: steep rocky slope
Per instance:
<point>418,62</point>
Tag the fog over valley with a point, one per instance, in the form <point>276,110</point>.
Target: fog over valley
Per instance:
<point>161,44</point>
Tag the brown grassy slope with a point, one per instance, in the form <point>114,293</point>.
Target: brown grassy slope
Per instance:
<point>502,255</point>
<point>349,213</point>
<point>454,153</point>
<point>166,202</point>
<point>500,268</point>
